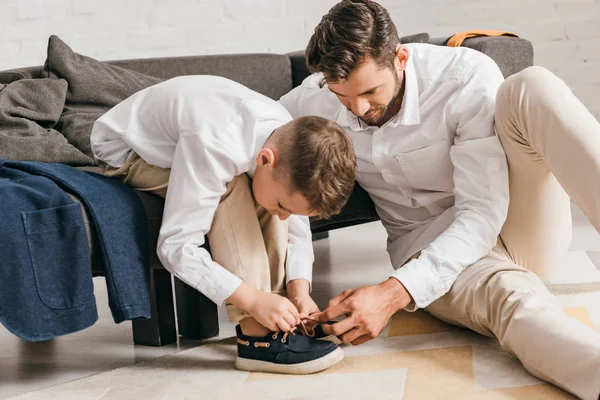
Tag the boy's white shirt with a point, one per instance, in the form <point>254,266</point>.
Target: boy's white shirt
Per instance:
<point>436,171</point>
<point>208,130</point>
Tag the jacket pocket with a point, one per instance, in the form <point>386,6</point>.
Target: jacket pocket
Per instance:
<point>60,256</point>
<point>428,168</point>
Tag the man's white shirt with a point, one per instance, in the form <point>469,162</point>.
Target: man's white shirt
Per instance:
<point>208,130</point>
<point>436,171</point>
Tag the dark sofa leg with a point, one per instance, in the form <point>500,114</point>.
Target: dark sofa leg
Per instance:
<point>320,235</point>
<point>197,316</point>
<point>160,329</point>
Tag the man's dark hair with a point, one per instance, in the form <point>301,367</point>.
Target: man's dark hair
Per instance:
<point>351,31</point>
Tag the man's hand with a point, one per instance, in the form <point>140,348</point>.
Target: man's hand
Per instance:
<point>367,309</point>
<point>298,293</point>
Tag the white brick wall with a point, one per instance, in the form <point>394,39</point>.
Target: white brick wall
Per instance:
<point>565,33</point>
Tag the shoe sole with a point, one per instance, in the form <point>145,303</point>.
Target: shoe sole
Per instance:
<point>309,367</point>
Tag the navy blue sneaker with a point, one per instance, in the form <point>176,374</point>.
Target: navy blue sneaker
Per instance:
<point>285,353</point>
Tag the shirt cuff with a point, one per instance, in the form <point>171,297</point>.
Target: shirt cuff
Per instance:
<point>227,284</point>
<point>421,282</point>
<point>215,282</point>
<point>299,263</point>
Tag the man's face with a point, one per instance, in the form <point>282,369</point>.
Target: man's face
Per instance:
<point>274,195</point>
<point>372,92</point>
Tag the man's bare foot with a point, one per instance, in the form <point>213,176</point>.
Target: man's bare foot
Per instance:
<point>251,327</point>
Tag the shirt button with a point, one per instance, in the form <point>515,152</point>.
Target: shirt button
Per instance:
<point>493,164</point>
<point>404,190</point>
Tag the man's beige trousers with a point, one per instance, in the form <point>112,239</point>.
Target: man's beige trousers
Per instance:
<point>552,145</point>
<point>244,238</point>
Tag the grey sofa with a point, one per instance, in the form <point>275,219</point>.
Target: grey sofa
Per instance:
<point>272,75</point>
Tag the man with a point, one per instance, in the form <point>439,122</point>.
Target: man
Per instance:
<point>422,122</point>
<point>232,164</point>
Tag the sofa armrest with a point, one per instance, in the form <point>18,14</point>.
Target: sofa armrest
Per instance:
<point>510,53</point>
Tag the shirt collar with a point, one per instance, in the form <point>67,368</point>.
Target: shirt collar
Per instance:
<point>347,119</point>
<point>409,113</point>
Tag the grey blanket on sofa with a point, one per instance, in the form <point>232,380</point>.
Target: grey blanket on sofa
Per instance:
<point>29,112</point>
<point>51,119</point>
<point>94,87</point>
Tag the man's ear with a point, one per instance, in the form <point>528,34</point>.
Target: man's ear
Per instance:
<point>401,57</point>
<point>266,157</point>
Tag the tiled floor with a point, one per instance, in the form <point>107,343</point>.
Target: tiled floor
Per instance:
<point>350,257</point>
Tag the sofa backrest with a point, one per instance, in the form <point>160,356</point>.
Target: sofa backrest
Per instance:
<point>274,74</point>
<point>269,74</point>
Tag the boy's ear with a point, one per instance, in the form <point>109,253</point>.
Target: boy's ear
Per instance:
<point>266,157</point>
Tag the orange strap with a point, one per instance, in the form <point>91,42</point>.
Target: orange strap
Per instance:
<point>457,39</point>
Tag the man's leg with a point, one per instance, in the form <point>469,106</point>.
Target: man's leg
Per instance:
<point>549,137</point>
<point>551,142</point>
<point>496,297</point>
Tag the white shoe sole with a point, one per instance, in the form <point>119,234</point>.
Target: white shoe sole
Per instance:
<point>309,367</point>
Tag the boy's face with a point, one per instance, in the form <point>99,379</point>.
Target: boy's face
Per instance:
<point>273,194</point>
<point>373,92</point>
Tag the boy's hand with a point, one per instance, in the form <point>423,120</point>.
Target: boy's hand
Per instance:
<point>275,312</point>
<point>305,305</point>
<point>298,293</point>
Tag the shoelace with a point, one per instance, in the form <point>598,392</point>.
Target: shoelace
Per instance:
<point>307,330</point>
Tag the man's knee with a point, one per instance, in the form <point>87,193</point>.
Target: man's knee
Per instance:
<point>534,79</point>
<point>514,294</point>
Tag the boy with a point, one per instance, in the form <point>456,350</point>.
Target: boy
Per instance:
<point>228,160</point>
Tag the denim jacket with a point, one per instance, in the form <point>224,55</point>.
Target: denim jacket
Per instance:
<point>46,287</point>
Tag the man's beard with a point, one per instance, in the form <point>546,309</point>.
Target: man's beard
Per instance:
<point>382,114</point>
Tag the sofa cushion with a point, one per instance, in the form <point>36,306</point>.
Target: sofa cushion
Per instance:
<point>29,111</point>
<point>94,88</point>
